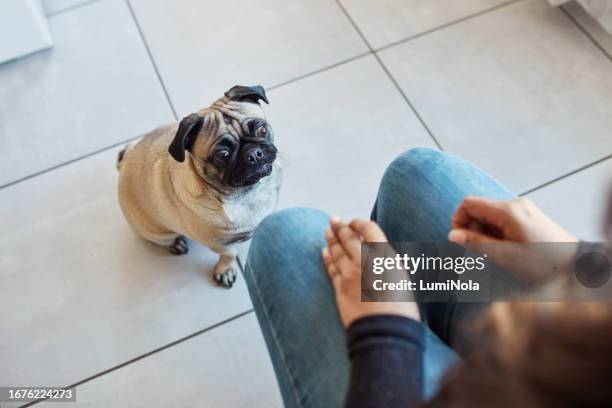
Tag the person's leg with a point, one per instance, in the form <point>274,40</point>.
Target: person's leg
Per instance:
<point>418,195</point>
<point>295,306</point>
<point>422,188</point>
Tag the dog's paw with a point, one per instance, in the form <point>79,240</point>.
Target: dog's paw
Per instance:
<point>226,278</point>
<point>179,246</point>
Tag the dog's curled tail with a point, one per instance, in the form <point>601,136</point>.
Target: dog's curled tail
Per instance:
<point>121,156</point>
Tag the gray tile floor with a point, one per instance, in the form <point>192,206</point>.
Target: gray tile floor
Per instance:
<point>521,89</point>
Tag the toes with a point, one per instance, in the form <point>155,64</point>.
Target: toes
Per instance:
<point>227,278</point>
<point>179,246</point>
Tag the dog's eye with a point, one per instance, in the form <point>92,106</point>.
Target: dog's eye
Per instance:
<point>222,155</point>
<point>261,131</point>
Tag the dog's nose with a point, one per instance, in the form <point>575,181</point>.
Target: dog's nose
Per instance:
<point>255,154</point>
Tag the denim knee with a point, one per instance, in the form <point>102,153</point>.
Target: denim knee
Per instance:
<point>282,222</point>
<point>413,166</point>
<point>283,233</point>
<point>420,160</point>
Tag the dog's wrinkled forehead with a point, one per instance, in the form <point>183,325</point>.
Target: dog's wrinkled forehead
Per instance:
<point>231,113</point>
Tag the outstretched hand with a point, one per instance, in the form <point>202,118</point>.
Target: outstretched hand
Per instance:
<point>480,223</point>
<point>519,220</point>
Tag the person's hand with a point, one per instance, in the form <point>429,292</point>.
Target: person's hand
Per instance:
<point>342,259</point>
<point>519,220</point>
<point>479,222</point>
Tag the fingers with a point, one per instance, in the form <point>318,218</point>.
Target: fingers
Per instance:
<point>369,230</point>
<point>465,236</point>
<point>494,218</point>
<point>336,251</point>
<point>481,209</point>
<point>330,237</point>
<point>332,270</point>
<point>347,237</point>
<point>366,229</point>
<point>340,258</point>
<point>474,241</point>
<point>330,267</point>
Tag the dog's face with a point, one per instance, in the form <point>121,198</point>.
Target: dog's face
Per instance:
<point>230,143</point>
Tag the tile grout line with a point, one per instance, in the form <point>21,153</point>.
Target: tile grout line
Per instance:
<point>586,32</point>
<point>443,26</point>
<point>416,113</point>
<point>150,54</point>
<point>148,354</point>
<point>318,71</point>
<point>279,85</point>
<point>399,89</point>
<point>117,144</point>
<point>403,94</point>
<point>71,161</point>
<point>70,8</point>
<point>566,175</point>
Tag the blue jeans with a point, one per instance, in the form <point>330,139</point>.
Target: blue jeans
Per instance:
<point>293,298</point>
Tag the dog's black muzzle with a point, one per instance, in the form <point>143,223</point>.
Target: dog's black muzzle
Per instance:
<point>255,162</point>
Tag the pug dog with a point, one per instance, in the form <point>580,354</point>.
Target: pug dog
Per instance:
<point>210,178</point>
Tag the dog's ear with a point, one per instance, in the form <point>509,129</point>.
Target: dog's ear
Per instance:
<point>247,93</point>
<point>185,136</point>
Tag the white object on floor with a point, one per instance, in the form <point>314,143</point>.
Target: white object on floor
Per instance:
<point>600,10</point>
<point>98,86</point>
<point>23,29</point>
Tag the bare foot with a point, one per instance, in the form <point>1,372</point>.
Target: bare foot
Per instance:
<point>342,258</point>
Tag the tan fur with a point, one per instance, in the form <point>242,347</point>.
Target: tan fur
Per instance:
<point>163,199</point>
